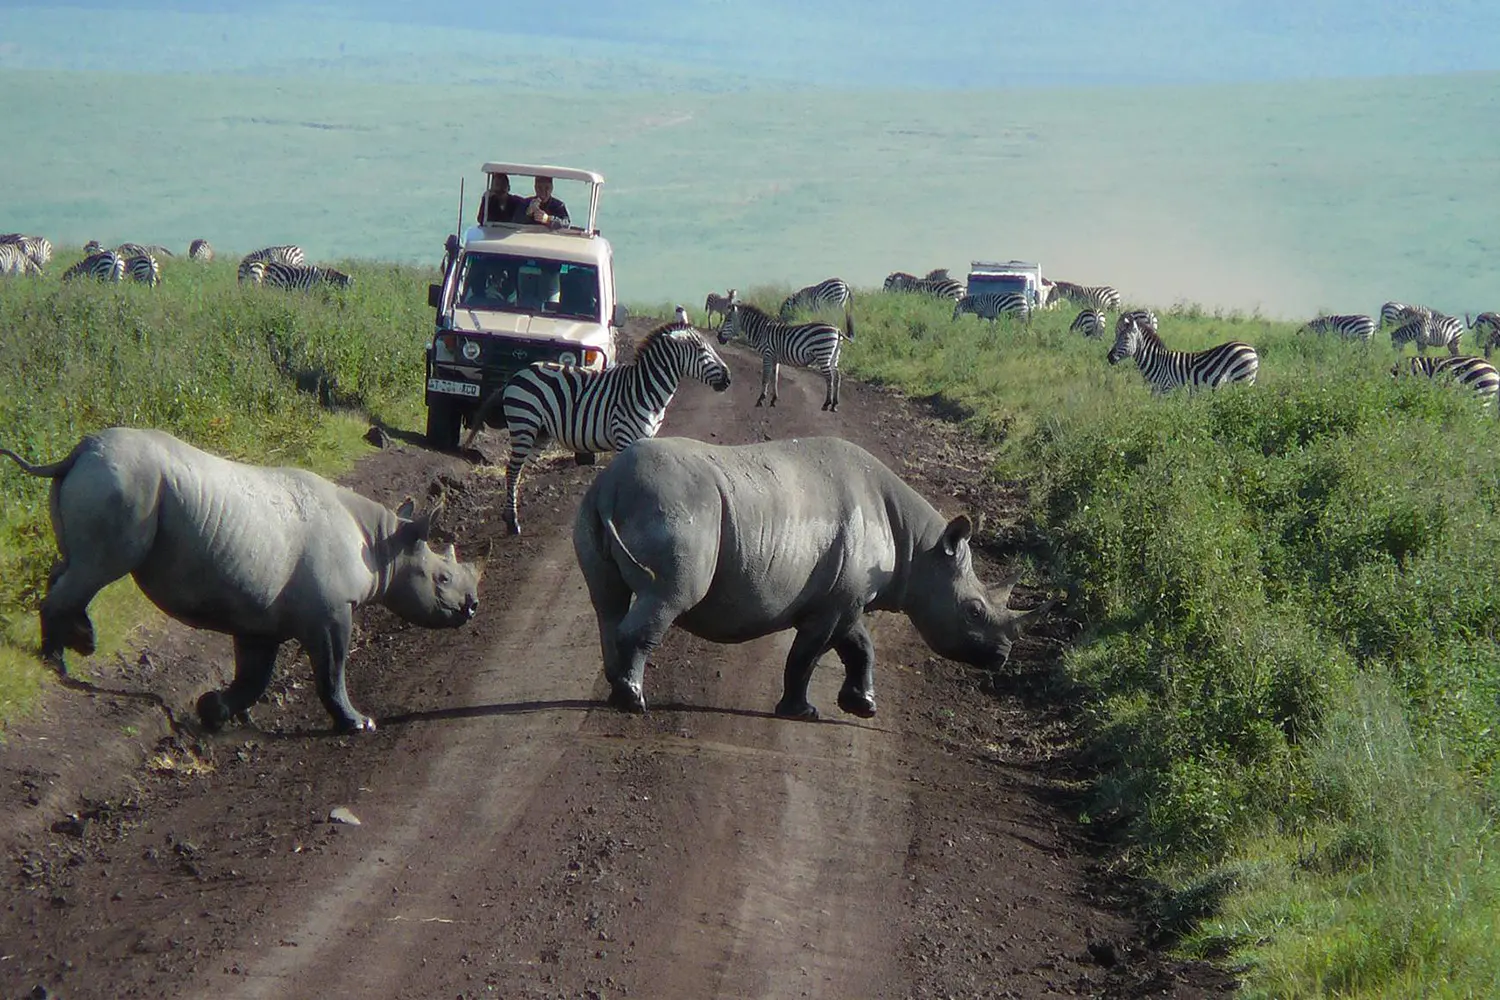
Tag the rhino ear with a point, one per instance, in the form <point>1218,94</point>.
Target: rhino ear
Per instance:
<point>407,509</point>
<point>956,534</point>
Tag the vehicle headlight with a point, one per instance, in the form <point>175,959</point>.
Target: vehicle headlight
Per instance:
<point>568,358</point>
<point>471,350</point>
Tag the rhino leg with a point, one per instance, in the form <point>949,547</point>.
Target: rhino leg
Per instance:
<point>254,659</point>
<point>857,651</point>
<point>640,631</point>
<point>72,585</point>
<point>813,639</point>
<point>329,651</point>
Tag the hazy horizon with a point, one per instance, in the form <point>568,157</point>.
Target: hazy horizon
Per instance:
<point>1279,195</point>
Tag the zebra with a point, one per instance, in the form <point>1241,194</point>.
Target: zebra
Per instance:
<point>1429,330</point>
<point>823,295</point>
<point>1396,313</point>
<point>936,274</point>
<point>1145,318</point>
<point>105,265</point>
<point>591,411</point>
<point>936,283</point>
<point>1100,297</point>
<point>899,281</point>
<point>144,269</point>
<point>1470,372</point>
<point>807,345</point>
<point>252,272</point>
<point>287,254</point>
<point>1486,327</point>
<point>298,277</point>
<point>716,303</point>
<point>1350,327</point>
<point>15,260</point>
<point>201,251</point>
<point>1166,369</point>
<point>991,305</point>
<point>1090,323</point>
<point>38,248</point>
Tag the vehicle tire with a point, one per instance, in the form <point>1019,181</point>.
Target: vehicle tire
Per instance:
<point>444,423</point>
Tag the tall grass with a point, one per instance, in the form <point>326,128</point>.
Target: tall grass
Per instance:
<point>249,373</point>
<point>1291,676</point>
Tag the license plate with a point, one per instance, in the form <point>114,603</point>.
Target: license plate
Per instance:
<point>453,388</point>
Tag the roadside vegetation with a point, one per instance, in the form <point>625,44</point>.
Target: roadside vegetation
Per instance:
<point>249,373</point>
<point>1288,677</point>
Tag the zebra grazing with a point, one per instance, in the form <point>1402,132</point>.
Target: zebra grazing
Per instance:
<point>936,274</point>
<point>1472,373</point>
<point>1100,297</point>
<point>806,345</point>
<point>1429,330</point>
<point>1350,327</point>
<point>899,281</point>
<point>144,269</point>
<point>1090,323</point>
<point>1144,318</point>
<point>299,277</point>
<point>824,295</point>
<point>992,305</point>
<point>591,411</point>
<point>1396,313</point>
<point>1486,327</point>
<point>716,303</point>
<point>936,283</point>
<point>37,248</point>
<point>201,251</point>
<point>1167,370</point>
<point>252,272</point>
<point>14,260</point>
<point>105,265</point>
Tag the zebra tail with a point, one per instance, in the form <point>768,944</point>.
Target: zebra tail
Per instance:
<point>848,325</point>
<point>479,415</point>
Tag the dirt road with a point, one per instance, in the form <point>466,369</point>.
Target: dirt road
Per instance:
<point>517,838</point>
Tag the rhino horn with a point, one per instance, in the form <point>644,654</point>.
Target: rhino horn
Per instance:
<point>1019,622</point>
<point>1000,595</point>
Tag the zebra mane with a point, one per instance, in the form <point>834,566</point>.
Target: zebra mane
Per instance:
<point>755,310</point>
<point>661,332</point>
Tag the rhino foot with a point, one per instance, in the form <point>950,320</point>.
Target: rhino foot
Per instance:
<point>801,710</point>
<point>857,703</point>
<point>627,698</point>
<point>356,724</point>
<point>212,712</point>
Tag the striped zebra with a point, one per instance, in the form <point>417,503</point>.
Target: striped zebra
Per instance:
<point>287,254</point>
<point>1350,327</point>
<point>935,283</point>
<point>37,248</point>
<point>299,277</point>
<point>1100,297</point>
<point>716,303</point>
<point>899,281</point>
<point>824,295</point>
<point>201,251</point>
<point>1470,372</point>
<point>105,265</point>
<point>1144,318</point>
<point>1167,370</point>
<point>806,345</point>
<point>1486,327</point>
<point>992,305</point>
<point>936,274</point>
<point>129,250</point>
<point>1431,330</point>
<point>144,269</point>
<point>14,260</point>
<point>1090,323</point>
<point>1396,313</point>
<point>591,411</point>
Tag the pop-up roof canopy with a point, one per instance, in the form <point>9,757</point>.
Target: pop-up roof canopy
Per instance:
<point>594,180</point>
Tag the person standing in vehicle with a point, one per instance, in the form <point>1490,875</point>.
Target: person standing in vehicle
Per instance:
<point>545,210</point>
<point>499,206</point>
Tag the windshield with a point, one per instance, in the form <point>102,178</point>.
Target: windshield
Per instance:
<point>985,284</point>
<point>512,283</point>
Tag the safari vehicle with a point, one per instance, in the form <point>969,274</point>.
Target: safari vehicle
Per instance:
<point>991,278</point>
<point>515,293</point>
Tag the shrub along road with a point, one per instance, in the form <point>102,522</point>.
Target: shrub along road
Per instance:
<point>517,838</point>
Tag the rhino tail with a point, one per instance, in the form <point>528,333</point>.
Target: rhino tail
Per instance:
<point>54,471</point>
<point>614,534</point>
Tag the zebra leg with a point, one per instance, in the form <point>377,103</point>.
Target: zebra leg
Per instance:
<point>521,446</point>
<point>766,367</point>
<point>830,392</point>
<point>775,382</point>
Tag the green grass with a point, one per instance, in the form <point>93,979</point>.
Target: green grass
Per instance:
<point>1289,674</point>
<point>245,372</point>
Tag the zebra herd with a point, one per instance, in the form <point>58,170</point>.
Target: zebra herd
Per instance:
<point>284,267</point>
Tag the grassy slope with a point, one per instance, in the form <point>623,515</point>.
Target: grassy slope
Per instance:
<point>1281,197</point>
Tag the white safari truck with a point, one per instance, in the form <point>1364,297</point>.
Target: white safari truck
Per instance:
<point>515,292</point>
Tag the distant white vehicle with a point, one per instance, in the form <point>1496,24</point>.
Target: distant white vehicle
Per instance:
<point>514,292</point>
<point>998,278</point>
